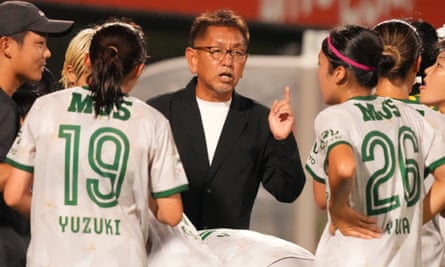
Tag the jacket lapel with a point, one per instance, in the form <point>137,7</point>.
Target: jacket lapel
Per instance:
<point>189,121</point>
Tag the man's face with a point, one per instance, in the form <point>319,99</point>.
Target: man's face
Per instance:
<point>218,61</point>
<point>29,57</point>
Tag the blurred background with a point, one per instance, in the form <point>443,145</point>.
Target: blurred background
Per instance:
<point>285,39</point>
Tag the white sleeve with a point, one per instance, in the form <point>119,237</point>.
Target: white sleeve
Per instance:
<point>22,152</point>
<point>331,128</point>
<point>166,170</point>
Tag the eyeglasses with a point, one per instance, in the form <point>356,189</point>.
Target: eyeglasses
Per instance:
<point>217,53</point>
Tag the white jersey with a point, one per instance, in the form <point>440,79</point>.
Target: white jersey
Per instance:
<point>432,240</point>
<point>92,178</point>
<point>178,246</point>
<point>393,145</point>
<point>247,248</point>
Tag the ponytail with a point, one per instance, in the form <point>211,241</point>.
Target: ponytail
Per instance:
<point>106,81</point>
<point>116,49</point>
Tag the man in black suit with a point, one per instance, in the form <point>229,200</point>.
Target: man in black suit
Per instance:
<point>228,143</point>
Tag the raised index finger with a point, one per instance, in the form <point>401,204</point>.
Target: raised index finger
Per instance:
<point>287,94</point>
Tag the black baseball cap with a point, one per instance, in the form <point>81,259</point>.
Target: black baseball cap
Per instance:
<point>21,16</point>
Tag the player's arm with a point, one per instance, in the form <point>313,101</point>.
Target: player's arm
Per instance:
<point>434,201</point>
<point>341,171</point>
<point>320,197</point>
<point>17,193</point>
<point>169,209</point>
<point>284,175</point>
<point>5,170</point>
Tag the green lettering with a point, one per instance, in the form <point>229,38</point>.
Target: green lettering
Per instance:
<point>98,226</point>
<point>422,112</point>
<point>388,227</point>
<point>80,105</point>
<point>117,227</point>
<point>63,222</point>
<point>123,113</point>
<point>75,224</point>
<point>386,112</point>
<point>392,107</point>
<point>108,228</point>
<point>86,228</point>
<point>368,112</point>
<point>84,225</point>
<point>405,226</point>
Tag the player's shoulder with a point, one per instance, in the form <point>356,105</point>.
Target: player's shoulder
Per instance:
<point>423,109</point>
<point>56,98</point>
<point>412,109</point>
<point>145,112</point>
<point>336,111</point>
<point>57,94</point>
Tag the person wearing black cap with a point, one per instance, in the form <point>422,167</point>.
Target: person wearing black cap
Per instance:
<point>23,54</point>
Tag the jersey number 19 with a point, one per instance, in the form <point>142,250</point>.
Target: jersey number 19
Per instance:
<point>102,142</point>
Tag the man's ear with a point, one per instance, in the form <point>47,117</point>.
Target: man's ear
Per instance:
<point>192,60</point>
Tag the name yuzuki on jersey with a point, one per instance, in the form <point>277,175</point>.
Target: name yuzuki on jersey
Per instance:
<point>386,111</point>
<point>89,225</point>
<point>83,104</point>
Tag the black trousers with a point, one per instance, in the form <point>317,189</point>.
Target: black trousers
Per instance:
<point>12,248</point>
<point>14,236</point>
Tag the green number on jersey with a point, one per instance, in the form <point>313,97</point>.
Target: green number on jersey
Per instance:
<point>377,200</point>
<point>108,150</point>
<point>71,134</point>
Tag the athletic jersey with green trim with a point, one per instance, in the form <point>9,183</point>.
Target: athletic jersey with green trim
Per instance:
<point>92,178</point>
<point>392,145</point>
<point>247,248</point>
<point>433,251</point>
<point>178,246</point>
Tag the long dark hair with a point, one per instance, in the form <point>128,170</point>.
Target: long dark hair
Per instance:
<point>402,46</point>
<point>116,49</point>
<point>356,48</point>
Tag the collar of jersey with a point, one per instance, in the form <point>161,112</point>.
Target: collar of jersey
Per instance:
<point>364,97</point>
<point>86,87</point>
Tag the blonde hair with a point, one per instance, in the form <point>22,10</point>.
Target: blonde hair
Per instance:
<point>75,55</point>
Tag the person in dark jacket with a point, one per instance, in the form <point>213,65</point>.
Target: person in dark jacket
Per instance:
<point>229,144</point>
<point>23,54</point>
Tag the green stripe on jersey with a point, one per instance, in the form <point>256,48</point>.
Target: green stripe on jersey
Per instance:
<point>17,165</point>
<point>170,192</point>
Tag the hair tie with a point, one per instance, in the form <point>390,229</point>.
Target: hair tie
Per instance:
<point>346,59</point>
<point>113,48</point>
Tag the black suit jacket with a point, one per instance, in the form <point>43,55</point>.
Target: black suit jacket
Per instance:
<point>223,194</point>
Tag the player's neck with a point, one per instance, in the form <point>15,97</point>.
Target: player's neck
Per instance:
<point>394,89</point>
